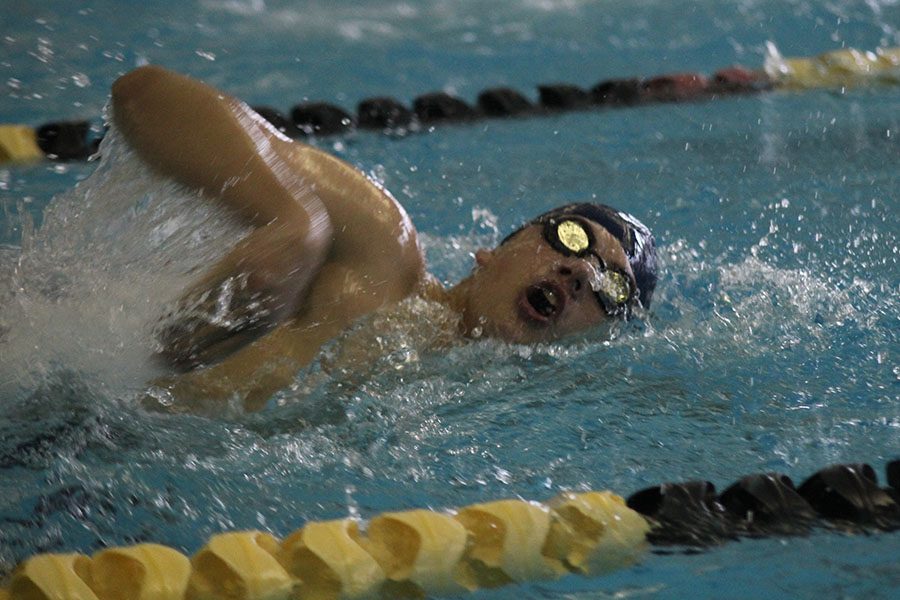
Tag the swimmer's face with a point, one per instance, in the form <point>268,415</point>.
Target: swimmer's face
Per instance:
<point>531,290</point>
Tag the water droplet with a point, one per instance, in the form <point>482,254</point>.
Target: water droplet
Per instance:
<point>81,80</point>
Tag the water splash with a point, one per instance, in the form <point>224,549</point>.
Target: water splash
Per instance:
<point>84,291</point>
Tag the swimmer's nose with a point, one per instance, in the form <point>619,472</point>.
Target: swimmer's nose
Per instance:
<point>576,278</point>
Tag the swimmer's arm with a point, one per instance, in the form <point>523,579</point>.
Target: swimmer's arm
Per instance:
<point>208,141</point>
<point>252,374</point>
<point>340,295</point>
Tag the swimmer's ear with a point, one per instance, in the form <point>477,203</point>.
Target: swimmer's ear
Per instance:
<point>483,257</point>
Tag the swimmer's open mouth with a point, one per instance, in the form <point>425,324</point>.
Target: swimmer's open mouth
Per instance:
<point>543,302</point>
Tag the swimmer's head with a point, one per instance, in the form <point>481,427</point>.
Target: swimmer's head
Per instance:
<point>565,271</point>
<point>634,237</point>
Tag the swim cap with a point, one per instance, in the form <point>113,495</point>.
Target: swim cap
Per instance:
<point>634,236</point>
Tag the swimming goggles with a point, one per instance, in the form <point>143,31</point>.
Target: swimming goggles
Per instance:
<point>573,237</point>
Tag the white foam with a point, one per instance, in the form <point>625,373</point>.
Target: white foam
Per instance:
<point>84,292</point>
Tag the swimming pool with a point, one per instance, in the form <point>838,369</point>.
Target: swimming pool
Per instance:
<point>772,344</point>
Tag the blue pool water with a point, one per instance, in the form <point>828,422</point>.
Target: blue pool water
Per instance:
<point>772,343</point>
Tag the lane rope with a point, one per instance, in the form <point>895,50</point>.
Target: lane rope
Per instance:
<point>841,69</point>
<point>426,553</point>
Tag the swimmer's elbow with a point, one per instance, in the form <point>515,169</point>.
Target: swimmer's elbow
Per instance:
<point>138,92</point>
<point>135,83</point>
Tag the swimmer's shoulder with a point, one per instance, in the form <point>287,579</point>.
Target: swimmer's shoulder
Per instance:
<point>373,235</point>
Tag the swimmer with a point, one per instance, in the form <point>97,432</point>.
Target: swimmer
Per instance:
<point>328,246</point>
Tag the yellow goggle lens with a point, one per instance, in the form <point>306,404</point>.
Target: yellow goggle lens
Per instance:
<point>573,236</point>
<point>618,288</point>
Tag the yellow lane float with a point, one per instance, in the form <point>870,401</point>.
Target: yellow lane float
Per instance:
<point>841,68</point>
<point>18,143</point>
<point>142,572</point>
<point>411,554</point>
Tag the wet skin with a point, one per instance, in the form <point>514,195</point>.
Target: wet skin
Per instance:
<point>525,291</point>
<point>328,246</point>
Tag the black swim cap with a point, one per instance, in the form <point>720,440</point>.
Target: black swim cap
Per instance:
<point>634,236</point>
